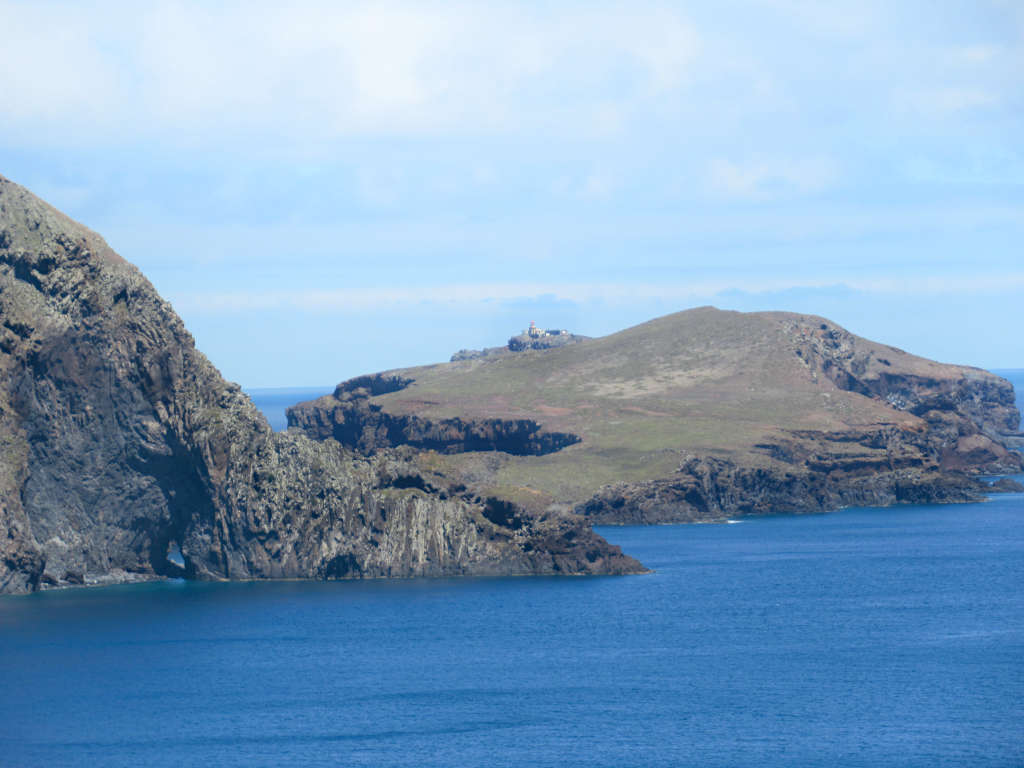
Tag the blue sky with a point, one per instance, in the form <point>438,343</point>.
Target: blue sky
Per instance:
<point>331,188</point>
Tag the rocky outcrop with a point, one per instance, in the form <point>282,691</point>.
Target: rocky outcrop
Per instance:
<point>478,354</point>
<point>524,341</point>
<point>349,417</point>
<point>708,489</point>
<point>120,441</point>
<point>971,414</point>
<point>520,343</point>
<point>810,472</point>
<point>970,419</point>
<point>1006,485</point>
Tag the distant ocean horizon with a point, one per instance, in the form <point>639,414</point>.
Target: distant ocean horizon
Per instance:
<point>862,638</point>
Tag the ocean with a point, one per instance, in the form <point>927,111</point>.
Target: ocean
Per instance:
<point>275,401</point>
<point>865,637</point>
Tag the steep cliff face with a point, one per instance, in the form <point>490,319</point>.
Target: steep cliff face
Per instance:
<point>968,417</point>
<point>352,419</point>
<point>971,414</point>
<point>709,489</point>
<point>119,440</point>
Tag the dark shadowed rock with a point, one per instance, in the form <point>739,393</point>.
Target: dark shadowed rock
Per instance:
<point>119,441</point>
<point>715,489</point>
<point>352,419</point>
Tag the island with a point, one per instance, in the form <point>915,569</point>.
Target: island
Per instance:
<point>702,415</point>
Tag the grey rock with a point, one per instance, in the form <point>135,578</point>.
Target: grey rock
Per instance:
<point>478,354</point>
<point>523,341</point>
<point>119,440</point>
<point>709,489</point>
<point>349,417</point>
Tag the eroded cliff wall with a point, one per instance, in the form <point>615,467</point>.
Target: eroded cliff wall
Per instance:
<point>119,439</point>
<point>350,417</point>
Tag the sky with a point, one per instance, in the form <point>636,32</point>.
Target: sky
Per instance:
<point>324,189</point>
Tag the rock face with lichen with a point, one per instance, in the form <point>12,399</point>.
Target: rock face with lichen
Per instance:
<point>119,440</point>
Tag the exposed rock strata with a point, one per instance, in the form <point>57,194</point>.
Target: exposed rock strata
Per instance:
<point>708,489</point>
<point>349,417</point>
<point>118,439</point>
<point>817,471</point>
<point>972,417</point>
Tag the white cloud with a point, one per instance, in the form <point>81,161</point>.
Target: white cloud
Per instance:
<point>947,100</point>
<point>52,72</point>
<point>977,54</point>
<point>767,178</point>
<point>316,70</point>
<point>774,89</point>
<point>836,18</point>
<point>345,301</point>
<point>597,186</point>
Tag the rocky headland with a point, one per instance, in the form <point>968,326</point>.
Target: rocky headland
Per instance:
<point>698,416</point>
<point>120,442</point>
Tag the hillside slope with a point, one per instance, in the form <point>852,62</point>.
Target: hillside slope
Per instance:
<point>697,415</point>
<point>120,441</point>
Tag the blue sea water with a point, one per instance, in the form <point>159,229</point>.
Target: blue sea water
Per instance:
<point>275,401</point>
<point>867,637</point>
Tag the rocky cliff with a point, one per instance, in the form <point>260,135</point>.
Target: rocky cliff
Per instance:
<point>708,488</point>
<point>966,421</point>
<point>352,419</point>
<point>119,441</point>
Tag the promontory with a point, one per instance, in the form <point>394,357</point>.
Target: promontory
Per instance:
<point>697,416</point>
